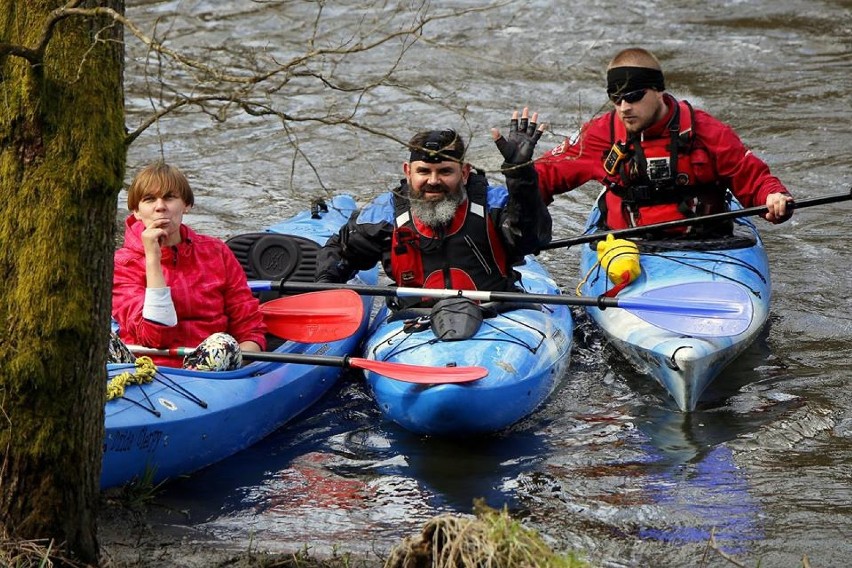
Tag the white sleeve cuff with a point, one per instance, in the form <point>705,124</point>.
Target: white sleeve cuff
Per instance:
<point>158,306</point>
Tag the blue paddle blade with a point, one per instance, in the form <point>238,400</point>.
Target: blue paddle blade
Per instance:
<point>701,309</point>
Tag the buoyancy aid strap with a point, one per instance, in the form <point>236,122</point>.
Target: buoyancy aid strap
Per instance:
<point>640,162</point>
<point>685,136</point>
<point>674,133</point>
<point>681,130</point>
<point>666,187</point>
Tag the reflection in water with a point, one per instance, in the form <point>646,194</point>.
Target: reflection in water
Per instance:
<point>640,471</point>
<point>693,481</point>
<point>707,497</point>
<point>457,472</point>
<point>323,479</point>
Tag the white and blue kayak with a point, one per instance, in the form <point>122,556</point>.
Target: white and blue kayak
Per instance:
<point>185,420</point>
<point>524,347</point>
<point>721,287</point>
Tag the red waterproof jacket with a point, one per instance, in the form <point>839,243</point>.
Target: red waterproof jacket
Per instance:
<point>208,287</point>
<point>723,157</point>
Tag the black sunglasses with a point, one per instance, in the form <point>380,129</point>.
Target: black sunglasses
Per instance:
<point>630,98</point>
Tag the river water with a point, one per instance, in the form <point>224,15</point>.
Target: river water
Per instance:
<point>607,465</point>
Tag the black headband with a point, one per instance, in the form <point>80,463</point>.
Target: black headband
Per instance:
<point>621,80</point>
<point>438,146</point>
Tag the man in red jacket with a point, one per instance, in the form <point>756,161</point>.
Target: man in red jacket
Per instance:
<point>658,158</point>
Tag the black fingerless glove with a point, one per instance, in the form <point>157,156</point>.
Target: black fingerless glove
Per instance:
<point>518,149</point>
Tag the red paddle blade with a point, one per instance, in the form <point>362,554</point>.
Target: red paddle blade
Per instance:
<point>420,374</point>
<point>315,317</point>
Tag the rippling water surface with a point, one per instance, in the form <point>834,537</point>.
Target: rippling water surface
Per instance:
<point>607,464</point>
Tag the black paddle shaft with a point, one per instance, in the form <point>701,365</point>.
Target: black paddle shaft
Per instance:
<point>321,360</point>
<point>601,302</point>
<point>634,231</point>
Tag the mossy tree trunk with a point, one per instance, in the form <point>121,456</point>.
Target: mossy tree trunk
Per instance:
<point>62,158</point>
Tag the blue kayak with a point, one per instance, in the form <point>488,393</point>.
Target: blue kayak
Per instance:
<point>186,420</point>
<point>524,347</point>
<point>722,283</point>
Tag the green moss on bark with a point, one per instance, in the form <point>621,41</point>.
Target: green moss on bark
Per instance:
<point>61,167</point>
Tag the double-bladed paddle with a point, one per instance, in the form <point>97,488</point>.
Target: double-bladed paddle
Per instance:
<point>315,317</point>
<point>735,214</point>
<point>691,309</point>
<point>419,374</point>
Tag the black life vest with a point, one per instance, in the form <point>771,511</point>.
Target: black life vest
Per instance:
<point>466,254</point>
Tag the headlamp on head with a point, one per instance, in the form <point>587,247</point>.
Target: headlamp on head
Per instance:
<point>435,146</point>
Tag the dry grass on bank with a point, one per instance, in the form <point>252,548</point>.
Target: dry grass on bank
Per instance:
<point>27,553</point>
<point>491,539</point>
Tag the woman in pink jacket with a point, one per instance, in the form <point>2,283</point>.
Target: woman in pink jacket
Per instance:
<point>174,287</point>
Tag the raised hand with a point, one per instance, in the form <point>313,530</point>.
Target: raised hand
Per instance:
<point>518,149</point>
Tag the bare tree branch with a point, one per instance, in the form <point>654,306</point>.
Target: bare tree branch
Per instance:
<point>324,66</point>
<point>253,85</point>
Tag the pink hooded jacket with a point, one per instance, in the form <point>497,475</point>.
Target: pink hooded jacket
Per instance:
<point>208,288</point>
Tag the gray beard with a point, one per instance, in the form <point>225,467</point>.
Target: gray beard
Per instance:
<point>436,214</point>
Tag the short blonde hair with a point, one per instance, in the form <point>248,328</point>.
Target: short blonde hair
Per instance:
<point>635,57</point>
<point>158,179</point>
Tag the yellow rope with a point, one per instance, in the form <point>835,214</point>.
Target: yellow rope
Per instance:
<point>144,373</point>
<point>578,290</point>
